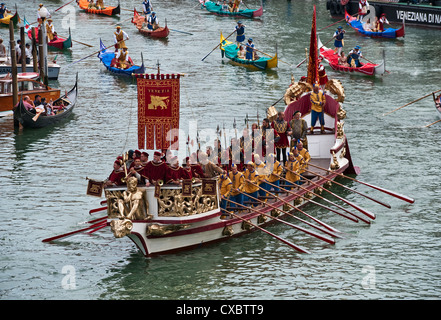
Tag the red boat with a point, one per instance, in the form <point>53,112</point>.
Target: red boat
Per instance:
<point>369,69</point>
<point>59,43</point>
<point>138,20</point>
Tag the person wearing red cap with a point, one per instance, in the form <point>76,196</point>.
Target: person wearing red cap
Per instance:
<point>155,170</point>
<point>137,170</point>
<point>116,176</point>
<point>196,169</point>
<point>381,22</point>
<point>144,158</point>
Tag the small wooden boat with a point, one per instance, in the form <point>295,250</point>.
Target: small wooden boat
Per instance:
<point>65,105</point>
<point>244,13</point>
<point>369,69</point>
<point>106,56</point>
<point>21,75</point>
<point>229,49</point>
<point>9,17</point>
<point>26,87</point>
<point>59,43</point>
<point>138,20</point>
<point>359,26</point>
<point>108,11</point>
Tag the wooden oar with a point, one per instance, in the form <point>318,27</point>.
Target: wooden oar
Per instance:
<point>96,52</point>
<point>98,228</point>
<point>96,220</point>
<point>312,233</point>
<point>181,31</point>
<point>364,211</point>
<point>301,211</point>
<point>63,6</point>
<point>332,234</point>
<point>218,45</point>
<point>350,189</point>
<point>94,226</point>
<point>352,215</point>
<point>432,123</point>
<point>394,194</point>
<point>336,22</point>
<point>298,248</point>
<point>97,209</point>
<point>385,114</point>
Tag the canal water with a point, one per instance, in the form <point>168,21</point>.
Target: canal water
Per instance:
<point>43,176</point>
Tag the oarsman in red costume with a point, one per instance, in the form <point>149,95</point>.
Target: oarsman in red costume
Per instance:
<point>144,158</point>
<point>115,178</point>
<point>383,20</point>
<point>155,170</point>
<point>187,167</point>
<point>363,7</point>
<point>175,173</point>
<point>323,78</point>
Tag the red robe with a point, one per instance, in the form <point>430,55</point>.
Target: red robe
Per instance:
<point>197,171</point>
<point>177,173</point>
<point>116,177</point>
<point>281,128</point>
<point>155,171</point>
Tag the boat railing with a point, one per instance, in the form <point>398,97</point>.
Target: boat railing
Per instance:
<point>163,201</point>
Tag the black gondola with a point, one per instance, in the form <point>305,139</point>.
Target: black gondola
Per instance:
<point>26,118</point>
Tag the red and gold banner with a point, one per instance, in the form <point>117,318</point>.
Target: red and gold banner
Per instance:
<point>313,53</point>
<point>158,109</point>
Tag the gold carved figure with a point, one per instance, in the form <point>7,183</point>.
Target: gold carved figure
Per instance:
<point>133,204</point>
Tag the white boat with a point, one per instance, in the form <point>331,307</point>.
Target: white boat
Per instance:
<point>53,68</point>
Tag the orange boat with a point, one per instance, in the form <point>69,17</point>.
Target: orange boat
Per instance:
<point>108,11</point>
<point>26,87</point>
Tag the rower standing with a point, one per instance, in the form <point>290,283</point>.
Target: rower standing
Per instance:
<point>249,47</point>
<point>147,7</point>
<point>339,42</point>
<point>120,36</point>
<point>381,22</point>
<point>50,30</point>
<point>3,10</point>
<point>363,7</point>
<point>240,33</point>
<point>318,101</point>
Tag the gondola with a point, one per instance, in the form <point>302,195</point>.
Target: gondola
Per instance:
<point>26,118</point>
<point>244,13</point>
<point>229,49</point>
<point>357,25</point>
<point>9,17</point>
<point>106,56</point>
<point>368,69</point>
<point>59,43</point>
<point>138,21</point>
<point>108,11</point>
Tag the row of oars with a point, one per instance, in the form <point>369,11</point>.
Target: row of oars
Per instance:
<point>329,231</point>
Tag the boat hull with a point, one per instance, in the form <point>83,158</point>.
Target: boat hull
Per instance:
<point>412,14</point>
<point>106,57</point>
<point>245,13</point>
<point>108,11</point>
<point>230,50</point>
<point>53,70</point>
<point>9,17</point>
<point>389,33</point>
<point>24,117</point>
<point>368,69</point>
<point>138,20</point>
<point>210,228</point>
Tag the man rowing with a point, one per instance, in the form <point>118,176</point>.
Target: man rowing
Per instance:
<point>354,57</point>
<point>338,40</point>
<point>152,22</point>
<point>120,36</point>
<point>240,33</point>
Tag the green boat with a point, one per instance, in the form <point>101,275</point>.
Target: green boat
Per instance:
<point>229,49</point>
<point>245,13</point>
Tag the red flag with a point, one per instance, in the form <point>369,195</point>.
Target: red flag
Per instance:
<point>313,53</point>
<point>158,109</point>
